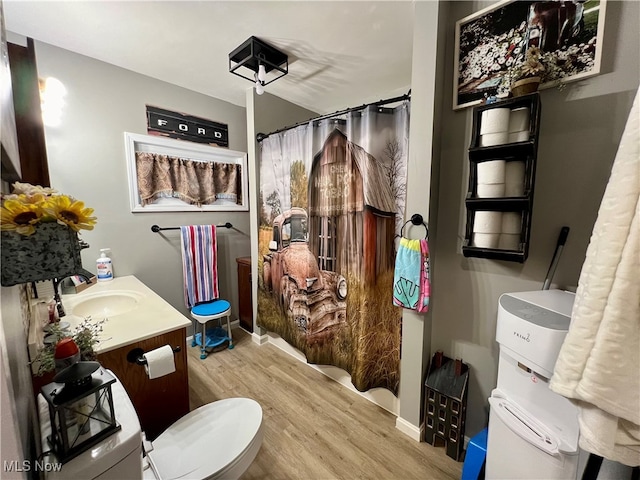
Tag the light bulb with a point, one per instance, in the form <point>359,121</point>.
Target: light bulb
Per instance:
<point>262,73</point>
<point>52,93</point>
<point>259,88</point>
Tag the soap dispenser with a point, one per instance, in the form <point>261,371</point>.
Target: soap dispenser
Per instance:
<point>104,266</point>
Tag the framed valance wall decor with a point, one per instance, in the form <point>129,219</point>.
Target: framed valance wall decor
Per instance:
<point>491,45</point>
<point>167,175</point>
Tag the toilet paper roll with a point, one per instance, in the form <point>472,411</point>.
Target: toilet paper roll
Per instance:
<point>514,179</point>
<point>522,136</point>
<point>509,241</point>
<point>512,222</point>
<point>160,362</point>
<point>490,139</point>
<point>486,240</point>
<point>519,119</point>
<point>492,171</point>
<point>487,222</point>
<point>513,190</point>
<point>494,120</point>
<point>491,190</point>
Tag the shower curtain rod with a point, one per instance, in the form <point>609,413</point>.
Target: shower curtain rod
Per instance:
<point>407,96</point>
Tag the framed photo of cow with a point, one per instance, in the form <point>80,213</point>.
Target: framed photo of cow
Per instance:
<point>492,43</point>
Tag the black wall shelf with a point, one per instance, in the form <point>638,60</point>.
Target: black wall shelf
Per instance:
<point>521,204</point>
<point>503,204</point>
<point>514,150</point>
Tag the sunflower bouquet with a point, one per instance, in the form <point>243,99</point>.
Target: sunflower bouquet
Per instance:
<point>39,232</point>
<point>31,205</point>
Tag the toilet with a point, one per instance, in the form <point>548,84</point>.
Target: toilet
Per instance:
<point>218,440</point>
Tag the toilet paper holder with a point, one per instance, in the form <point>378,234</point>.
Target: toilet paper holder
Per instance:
<point>136,355</point>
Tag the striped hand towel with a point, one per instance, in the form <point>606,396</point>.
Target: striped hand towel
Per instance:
<point>199,264</point>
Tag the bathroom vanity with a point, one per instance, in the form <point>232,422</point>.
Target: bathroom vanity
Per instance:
<point>138,318</point>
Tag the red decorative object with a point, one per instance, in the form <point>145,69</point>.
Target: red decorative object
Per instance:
<point>66,354</point>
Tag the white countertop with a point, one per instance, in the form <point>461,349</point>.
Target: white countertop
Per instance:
<point>151,316</point>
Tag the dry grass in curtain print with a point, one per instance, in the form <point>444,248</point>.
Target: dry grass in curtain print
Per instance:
<point>379,334</point>
<point>371,333</point>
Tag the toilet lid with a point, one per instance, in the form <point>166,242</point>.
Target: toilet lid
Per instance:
<point>207,440</point>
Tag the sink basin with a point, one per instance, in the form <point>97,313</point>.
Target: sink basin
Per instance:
<point>107,304</point>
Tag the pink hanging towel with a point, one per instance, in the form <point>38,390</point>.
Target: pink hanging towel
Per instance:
<point>199,264</point>
<point>411,288</point>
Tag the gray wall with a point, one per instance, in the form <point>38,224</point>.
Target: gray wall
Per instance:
<point>17,405</point>
<point>87,160</point>
<point>580,131</point>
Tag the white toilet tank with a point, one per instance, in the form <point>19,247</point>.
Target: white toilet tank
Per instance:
<point>117,457</point>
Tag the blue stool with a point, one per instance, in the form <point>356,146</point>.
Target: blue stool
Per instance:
<point>204,312</point>
<point>475,457</point>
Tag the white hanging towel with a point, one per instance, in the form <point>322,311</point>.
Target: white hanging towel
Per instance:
<point>599,362</point>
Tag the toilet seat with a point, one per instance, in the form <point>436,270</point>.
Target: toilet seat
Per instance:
<point>219,439</point>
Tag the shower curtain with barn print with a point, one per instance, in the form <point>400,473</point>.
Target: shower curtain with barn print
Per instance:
<point>332,198</point>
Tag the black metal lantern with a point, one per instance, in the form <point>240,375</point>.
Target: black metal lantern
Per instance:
<point>258,62</point>
<point>81,411</point>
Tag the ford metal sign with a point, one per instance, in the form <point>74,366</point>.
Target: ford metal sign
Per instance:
<point>186,127</point>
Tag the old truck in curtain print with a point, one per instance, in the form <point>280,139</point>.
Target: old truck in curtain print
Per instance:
<point>312,299</point>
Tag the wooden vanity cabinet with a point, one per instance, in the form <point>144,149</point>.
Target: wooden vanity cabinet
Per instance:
<point>161,401</point>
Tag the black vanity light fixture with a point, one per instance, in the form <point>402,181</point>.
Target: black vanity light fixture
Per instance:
<point>258,62</point>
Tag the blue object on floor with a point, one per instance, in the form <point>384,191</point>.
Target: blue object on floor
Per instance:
<point>215,337</point>
<point>476,456</point>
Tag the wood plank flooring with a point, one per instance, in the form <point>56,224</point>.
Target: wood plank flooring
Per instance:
<point>314,428</point>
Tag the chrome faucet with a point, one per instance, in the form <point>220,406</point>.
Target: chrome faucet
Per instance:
<point>56,291</point>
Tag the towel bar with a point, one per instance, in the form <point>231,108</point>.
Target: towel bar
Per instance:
<point>156,228</point>
<point>416,219</point>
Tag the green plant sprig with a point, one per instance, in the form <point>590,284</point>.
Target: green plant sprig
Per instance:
<point>85,336</point>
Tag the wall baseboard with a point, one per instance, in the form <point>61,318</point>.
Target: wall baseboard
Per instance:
<point>409,429</point>
<point>259,339</point>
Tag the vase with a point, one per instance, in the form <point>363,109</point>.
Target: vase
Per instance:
<point>525,86</point>
<point>52,251</point>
